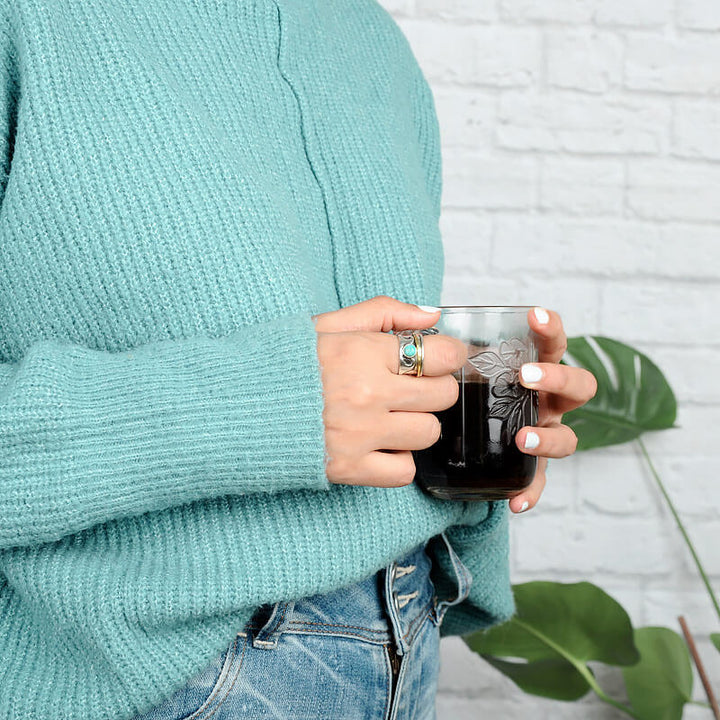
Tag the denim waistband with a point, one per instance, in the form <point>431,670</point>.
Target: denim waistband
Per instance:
<point>389,605</point>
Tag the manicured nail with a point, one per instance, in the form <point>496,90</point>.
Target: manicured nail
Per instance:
<point>524,506</point>
<point>532,440</point>
<point>531,373</point>
<point>542,316</point>
<point>429,308</point>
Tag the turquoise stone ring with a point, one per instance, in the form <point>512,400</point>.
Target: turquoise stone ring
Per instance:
<point>412,352</point>
<point>409,352</point>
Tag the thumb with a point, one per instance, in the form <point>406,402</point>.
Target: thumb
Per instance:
<point>379,314</point>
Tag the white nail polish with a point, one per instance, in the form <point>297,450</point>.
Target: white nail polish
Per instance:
<point>531,373</point>
<point>532,440</point>
<point>542,316</point>
<point>429,308</point>
<point>525,506</point>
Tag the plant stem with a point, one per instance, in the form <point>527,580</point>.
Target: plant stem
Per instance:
<point>681,527</point>
<point>581,667</point>
<point>690,640</point>
<point>584,670</point>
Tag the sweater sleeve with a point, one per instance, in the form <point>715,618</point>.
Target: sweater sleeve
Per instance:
<point>87,436</point>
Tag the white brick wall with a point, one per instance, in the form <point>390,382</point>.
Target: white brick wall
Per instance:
<point>581,146</point>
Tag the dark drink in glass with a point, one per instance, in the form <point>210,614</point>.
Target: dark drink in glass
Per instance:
<point>476,457</point>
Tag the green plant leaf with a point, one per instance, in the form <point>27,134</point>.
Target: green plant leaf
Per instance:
<point>579,618</point>
<point>557,625</point>
<point>633,395</point>
<point>715,639</point>
<point>554,678</point>
<point>661,683</point>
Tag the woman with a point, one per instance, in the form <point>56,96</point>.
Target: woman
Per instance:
<point>212,212</point>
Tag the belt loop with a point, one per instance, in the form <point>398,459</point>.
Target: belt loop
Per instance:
<point>267,637</point>
<point>463,578</point>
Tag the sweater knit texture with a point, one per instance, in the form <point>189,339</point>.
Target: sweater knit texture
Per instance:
<point>184,183</point>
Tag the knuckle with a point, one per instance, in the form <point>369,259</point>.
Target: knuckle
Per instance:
<point>338,469</point>
<point>563,379</point>
<point>362,395</point>
<point>407,471</point>
<point>453,391</point>
<point>357,394</point>
<point>451,354</point>
<point>434,429</point>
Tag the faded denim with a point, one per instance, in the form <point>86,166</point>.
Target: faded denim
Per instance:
<point>328,657</point>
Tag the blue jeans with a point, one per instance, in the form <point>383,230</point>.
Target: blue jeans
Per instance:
<point>366,651</point>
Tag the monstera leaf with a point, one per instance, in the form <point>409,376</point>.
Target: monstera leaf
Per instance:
<point>633,395</point>
<point>557,629</point>
<point>661,683</point>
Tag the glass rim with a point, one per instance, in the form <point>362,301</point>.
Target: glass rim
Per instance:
<point>485,308</point>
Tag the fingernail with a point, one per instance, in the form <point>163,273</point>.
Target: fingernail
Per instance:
<point>531,373</point>
<point>429,308</point>
<point>524,506</point>
<point>542,316</point>
<point>532,440</point>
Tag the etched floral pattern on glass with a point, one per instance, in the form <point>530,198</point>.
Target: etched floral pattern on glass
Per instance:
<point>512,403</point>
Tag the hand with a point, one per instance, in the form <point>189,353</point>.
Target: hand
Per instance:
<point>561,388</point>
<point>374,417</point>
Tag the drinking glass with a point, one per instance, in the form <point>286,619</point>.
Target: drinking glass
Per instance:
<point>476,457</point>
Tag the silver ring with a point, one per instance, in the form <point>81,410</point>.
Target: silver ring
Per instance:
<point>408,353</point>
<point>411,351</point>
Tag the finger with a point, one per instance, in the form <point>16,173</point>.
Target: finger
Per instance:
<point>385,469</point>
<point>552,341</point>
<point>575,386</point>
<point>443,354</point>
<point>409,431</point>
<point>422,394</point>
<point>529,497</point>
<point>555,441</point>
<point>379,314</point>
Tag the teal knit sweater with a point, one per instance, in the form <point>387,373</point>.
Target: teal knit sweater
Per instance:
<point>184,183</point>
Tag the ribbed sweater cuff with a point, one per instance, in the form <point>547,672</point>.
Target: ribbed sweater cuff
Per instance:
<point>87,436</point>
